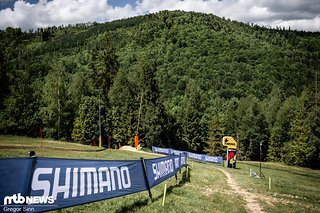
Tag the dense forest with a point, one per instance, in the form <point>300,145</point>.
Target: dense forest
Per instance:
<point>179,79</point>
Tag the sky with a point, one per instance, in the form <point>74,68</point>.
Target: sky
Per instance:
<point>27,14</point>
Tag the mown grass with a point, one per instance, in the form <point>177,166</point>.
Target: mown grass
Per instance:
<point>202,189</point>
<point>10,140</point>
<point>293,189</point>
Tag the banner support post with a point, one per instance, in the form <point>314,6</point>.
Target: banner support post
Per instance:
<point>175,175</point>
<point>164,194</point>
<point>33,161</point>
<point>145,177</point>
<point>40,138</point>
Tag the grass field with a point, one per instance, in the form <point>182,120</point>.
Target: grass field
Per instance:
<point>205,189</point>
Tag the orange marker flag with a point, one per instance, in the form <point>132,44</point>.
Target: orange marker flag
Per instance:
<point>136,141</point>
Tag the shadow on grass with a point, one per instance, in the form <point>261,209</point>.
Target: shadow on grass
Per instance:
<point>186,177</point>
<point>136,204</point>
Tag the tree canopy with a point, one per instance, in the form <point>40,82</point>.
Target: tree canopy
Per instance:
<point>179,79</point>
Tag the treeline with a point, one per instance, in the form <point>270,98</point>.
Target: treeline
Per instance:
<point>179,79</point>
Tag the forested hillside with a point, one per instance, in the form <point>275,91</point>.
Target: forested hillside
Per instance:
<point>181,79</point>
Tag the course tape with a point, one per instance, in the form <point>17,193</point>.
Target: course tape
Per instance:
<point>45,184</point>
<point>194,156</point>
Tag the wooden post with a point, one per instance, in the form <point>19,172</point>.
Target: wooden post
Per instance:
<point>238,141</point>
<point>109,141</point>
<point>40,138</point>
<point>269,183</point>
<point>100,141</point>
<point>164,194</point>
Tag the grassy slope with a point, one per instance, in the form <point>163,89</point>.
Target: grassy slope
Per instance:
<point>293,190</point>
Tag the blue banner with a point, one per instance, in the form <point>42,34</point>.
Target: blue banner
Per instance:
<point>180,161</point>
<point>191,155</point>
<point>178,152</point>
<point>45,184</point>
<point>160,169</point>
<point>195,156</point>
<point>15,176</point>
<point>213,159</point>
<point>60,183</point>
<point>165,151</point>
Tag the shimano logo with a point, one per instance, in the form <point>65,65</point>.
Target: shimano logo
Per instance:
<point>162,168</point>
<point>195,156</point>
<point>76,182</point>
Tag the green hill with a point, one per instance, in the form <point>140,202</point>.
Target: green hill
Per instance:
<point>181,79</point>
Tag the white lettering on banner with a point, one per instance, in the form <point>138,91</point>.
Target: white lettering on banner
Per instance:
<point>90,172</point>
<point>194,156</point>
<point>91,181</point>
<point>176,162</point>
<point>104,183</point>
<point>63,188</point>
<point>113,171</point>
<point>41,184</point>
<point>125,176</point>
<point>177,152</point>
<point>162,150</point>
<point>162,168</point>
<point>211,159</point>
<point>75,182</point>
<point>183,161</point>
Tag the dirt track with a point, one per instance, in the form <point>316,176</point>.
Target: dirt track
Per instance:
<point>252,204</point>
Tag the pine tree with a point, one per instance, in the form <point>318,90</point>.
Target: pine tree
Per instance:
<point>153,118</point>
<point>303,150</point>
<point>280,131</point>
<point>124,109</point>
<point>19,115</point>
<point>193,126</point>
<point>252,128</point>
<point>104,65</point>
<point>216,132</point>
<point>86,124</point>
